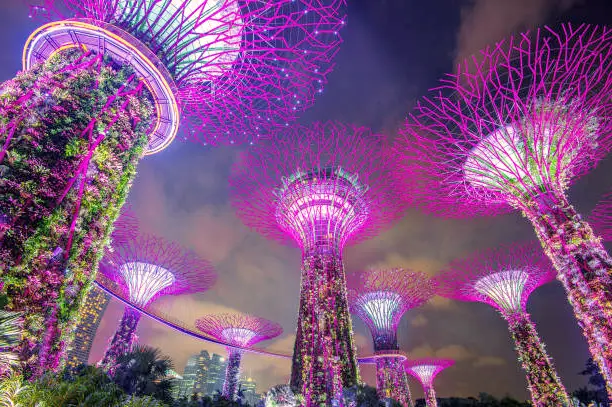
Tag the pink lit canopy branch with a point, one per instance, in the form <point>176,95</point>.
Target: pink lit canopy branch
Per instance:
<point>425,371</point>
<point>239,330</point>
<point>237,68</point>
<point>504,278</point>
<point>513,128</point>
<point>320,188</point>
<point>380,297</point>
<point>601,217</point>
<point>143,269</point>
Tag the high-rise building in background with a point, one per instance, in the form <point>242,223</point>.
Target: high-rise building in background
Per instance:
<point>203,374</point>
<point>249,391</point>
<point>93,309</point>
<point>184,387</point>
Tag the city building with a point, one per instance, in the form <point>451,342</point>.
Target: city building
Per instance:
<point>93,309</point>
<point>203,375</point>
<point>249,391</point>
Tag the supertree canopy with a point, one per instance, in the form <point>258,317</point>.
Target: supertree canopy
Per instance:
<point>380,298</point>
<point>425,371</point>
<point>513,128</point>
<point>107,81</point>
<point>601,217</point>
<point>236,69</point>
<point>320,188</point>
<point>504,278</point>
<point>143,269</point>
<point>239,331</point>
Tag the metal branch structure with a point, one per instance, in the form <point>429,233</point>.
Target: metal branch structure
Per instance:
<point>380,297</point>
<point>239,330</point>
<point>425,371</point>
<point>601,217</point>
<point>321,188</point>
<point>504,278</point>
<point>235,69</point>
<point>142,270</point>
<point>512,129</point>
<point>125,227</point>
<point>105,82</point>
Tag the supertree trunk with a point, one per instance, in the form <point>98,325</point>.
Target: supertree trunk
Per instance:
<point>430,396</point>
<point>324,355</point>
<point>584,268</point>
<point>124,338</point>
<point>232,374</point>
<point>391,381</point>
<point>544,383</point>
<point>72,131</point>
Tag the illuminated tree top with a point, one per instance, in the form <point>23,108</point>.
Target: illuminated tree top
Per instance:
<point>146,267</point>
<point>601,217</point>
<point>239,330</point>
<point>381,296</point>
<point>426,370</point>
<point>240,68</point>
<point>503,277</point>
<point>325,184</point>
<point>523,118</point>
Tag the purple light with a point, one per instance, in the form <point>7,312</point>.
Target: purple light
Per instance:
<point>144,281</point>
<point>425,371</point>
<point>380,297</point>
<point>512,129</point>
<point>320,188</point>
<point>505,288</point>
<point>236,330</point>
<point>146,267</point>
<point>239,70</point>
<point>143,269</point>
<point>601,217</point>
<point>504,278</point>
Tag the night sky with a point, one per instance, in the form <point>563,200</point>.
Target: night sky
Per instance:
<point>394,51</point>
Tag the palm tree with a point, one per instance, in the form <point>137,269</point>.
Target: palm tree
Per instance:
<point>10,335</point>
<point>143,372</point>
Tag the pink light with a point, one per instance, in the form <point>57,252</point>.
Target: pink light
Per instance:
<point>144,281</point>
<point>238,336</point>
<point>505,288</point>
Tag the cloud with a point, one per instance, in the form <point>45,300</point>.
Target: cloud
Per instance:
<point>483,361</point>
<point>485,22</point>
<point>458,353</point>
<point>419,320</point>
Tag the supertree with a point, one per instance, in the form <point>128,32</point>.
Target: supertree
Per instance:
<point>142,270</point>
<point>380,297</point>
<point>512,129</point>
<point>425,371</point>
<point>601,217</point>
<point>320,188</point>
<point>504,278</point>
<point>108,81</point>
<point>239,331</point>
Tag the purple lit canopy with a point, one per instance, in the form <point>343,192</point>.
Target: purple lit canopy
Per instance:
<point>237,68</point>
<point>147,267</point>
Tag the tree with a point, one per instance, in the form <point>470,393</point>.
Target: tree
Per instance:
<point>142,372</point>
<point>596,389</point>
<point>89,387</point>
<point>10,335</point>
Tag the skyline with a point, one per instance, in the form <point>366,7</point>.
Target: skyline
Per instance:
<point>174,200</point>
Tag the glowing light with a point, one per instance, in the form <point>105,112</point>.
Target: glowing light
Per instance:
<point>381,307</point>
<point>505,288</point>
<point>239,336</point>
<point>145,280</point>
<point>321,207</point>
<point>426,373</point>
<point>209,33</point>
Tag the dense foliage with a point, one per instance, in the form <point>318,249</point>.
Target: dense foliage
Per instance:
<point>72,130</point>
